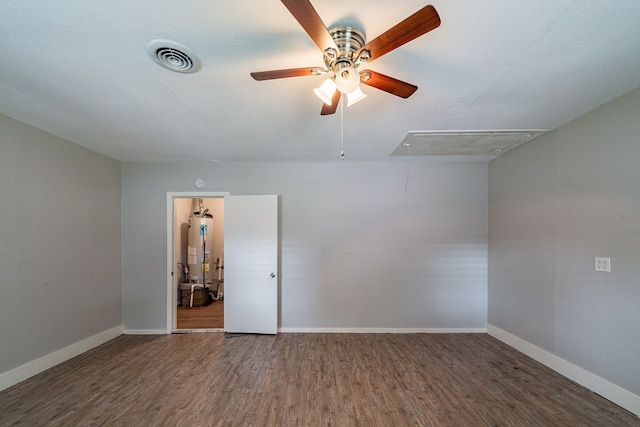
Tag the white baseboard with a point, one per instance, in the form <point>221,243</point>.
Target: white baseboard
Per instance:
<point>606,389</point>
<point>29,369</point>
<point>385,330</point>
<point>144,332</point>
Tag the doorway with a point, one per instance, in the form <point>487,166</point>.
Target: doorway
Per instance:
<point>199,259</point>
<point>197,262</point>
<point>249,249</point>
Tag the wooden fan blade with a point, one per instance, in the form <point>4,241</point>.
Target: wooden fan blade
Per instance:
<point>389,84</point>
<point>330,109</point>
<point>311,22</point>
<point>291,72</point>
<point>418,24</point>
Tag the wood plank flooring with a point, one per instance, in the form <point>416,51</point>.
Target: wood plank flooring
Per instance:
<point>305,380</point>
<point>208,317</point>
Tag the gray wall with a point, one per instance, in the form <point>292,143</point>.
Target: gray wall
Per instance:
<point>555,204</point>
<point>60,260</point>
<point>358,251</point>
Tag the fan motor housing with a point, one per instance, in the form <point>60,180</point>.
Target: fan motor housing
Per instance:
<point>349,41</point>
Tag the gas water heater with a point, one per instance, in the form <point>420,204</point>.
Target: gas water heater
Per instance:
<point>200,248</point>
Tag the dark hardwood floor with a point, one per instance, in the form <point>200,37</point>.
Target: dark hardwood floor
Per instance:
<point>305,380</point>
<point>208,317</point>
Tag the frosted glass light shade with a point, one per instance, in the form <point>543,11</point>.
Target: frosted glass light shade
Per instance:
<point>347,79</point>
<point>326,90</point>
<point>356,96</point>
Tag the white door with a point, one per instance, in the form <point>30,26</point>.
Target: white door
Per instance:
<point>251,264</point>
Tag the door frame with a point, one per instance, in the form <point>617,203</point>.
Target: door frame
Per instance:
<point>171,289</point>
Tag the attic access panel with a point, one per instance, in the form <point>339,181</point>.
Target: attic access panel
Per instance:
<point>464,144</point>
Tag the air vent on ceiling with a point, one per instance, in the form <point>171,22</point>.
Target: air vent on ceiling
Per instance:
<point>173,56</point>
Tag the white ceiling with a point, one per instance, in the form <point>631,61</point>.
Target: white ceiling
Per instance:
<point>80,70</point>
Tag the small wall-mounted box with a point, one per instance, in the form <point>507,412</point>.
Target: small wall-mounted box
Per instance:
<point>603,264</point>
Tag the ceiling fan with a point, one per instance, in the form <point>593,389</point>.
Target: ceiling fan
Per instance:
<point>345,49</point>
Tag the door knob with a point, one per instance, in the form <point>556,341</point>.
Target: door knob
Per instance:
<point>272,275</point>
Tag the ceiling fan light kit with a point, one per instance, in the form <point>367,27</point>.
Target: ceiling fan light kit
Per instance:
<point>347,80</point>
<point>356,96</point>
<point>341,66</point>
<point>326,90</point>
<point>345,49</point>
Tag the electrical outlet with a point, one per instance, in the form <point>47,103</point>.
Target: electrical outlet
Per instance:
<point>603,264</point>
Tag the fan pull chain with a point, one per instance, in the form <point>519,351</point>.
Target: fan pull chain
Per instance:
<point>343,99</point>
<point>342,126</point>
